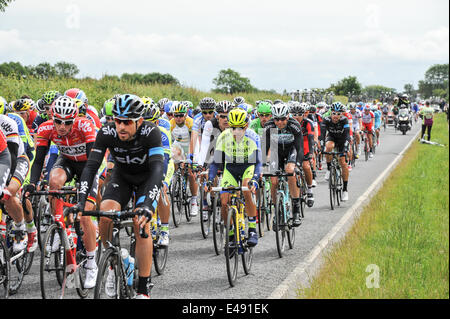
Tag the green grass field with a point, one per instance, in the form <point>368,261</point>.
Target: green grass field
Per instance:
<point>400,243</point>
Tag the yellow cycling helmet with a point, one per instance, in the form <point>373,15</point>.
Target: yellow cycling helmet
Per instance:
<point>81,107</point>
<point>3,105</point>
<point>23,105</point>
<point>237,118</point>
<point>147,100</point>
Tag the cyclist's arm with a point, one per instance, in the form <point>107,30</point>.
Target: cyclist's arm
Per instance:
<point>206,140</point>
<point>36,169</point>
<point>13,149</point>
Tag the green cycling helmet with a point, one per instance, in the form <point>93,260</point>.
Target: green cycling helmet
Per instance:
<point>264,108</point>
<point>108,107</point>
<point>50,96</point>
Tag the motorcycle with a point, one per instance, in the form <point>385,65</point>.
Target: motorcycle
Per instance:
<point>404,121</point>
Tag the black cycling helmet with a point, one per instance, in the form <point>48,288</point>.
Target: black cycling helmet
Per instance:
<point>128,106</point>
<point>207,103</point>
<point>337,107</point>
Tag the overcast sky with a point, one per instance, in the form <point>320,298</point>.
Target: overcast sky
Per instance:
<point>278,44</point>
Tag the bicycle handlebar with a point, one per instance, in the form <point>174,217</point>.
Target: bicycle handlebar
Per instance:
<point>229,188</point>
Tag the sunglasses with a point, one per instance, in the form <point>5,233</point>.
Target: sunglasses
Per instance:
<point>169,114</point>
<point>178,115</point>
<point>265,115</point>
<point>109,118</point>
<point>237,128</point>
<point>126,122</point>
<point>223,116</point>
<point>280,119</point>
<point>207,112</point>
<point>336,113</point>
<point>298,114</point>
<point>61,122</point>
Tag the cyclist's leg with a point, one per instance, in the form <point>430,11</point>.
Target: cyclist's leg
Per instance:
<point>227,180</point>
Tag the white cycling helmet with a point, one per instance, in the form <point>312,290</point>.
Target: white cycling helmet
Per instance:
<point>280,110</point>
<point>64,108</point>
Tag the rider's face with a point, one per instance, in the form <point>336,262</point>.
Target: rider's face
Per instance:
<point>208,115</point>
<point>281,122</point>
<point>63,128</point>
<point>223,120</point>
<point>179,118</point>
<point>126,129</point>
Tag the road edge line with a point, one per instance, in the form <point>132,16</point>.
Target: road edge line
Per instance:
<point>307,269</point>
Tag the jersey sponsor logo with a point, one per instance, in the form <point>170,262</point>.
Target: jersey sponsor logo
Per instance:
<point>7,128</point>
<point>85,126</point>
<point>154,194</point>
<point>146,130</point>
<point>108,130</point>
<point>73,150</point>
<point>129,160</point>
<point>43,128</point>
<point>120,150</point>
<point>84,187</point>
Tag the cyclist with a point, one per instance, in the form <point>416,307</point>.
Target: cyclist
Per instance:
<point>84,108</point>
<point>5,163</point>
<point>298,112</point>
<point>368,123</point>
<point>377,122</point>
<point>283,137</point>
<point>208,106</point>
<point>264,113</point>
<point>25,108</point>
<point>136,146</point>
<point>357,124</point>
<point>43,106</point>
<point>24,230</point>
<point>238,100</point>
<point>239,157</point>
<point>152,114</point>
<point>338,130</point>
<point>74,136</point>
<point>385,111</point>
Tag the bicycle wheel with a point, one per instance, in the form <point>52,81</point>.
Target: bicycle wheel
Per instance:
<point>331,187</point>
<point>44,219</point>
<point>261,210</point>
<point>4,269</point>
<point>290,229</point>
<point>176,200</point>
<point>269,209</point>
<point>205,225</point>
<point>160,255</point>
<point>110,282</point>
<point>231,254</point>
<point>81,273</point>
<point>247,254</point>
<point>338,186</point>
<point>53,263</point>
<point>186,196</point>
<point>218,226</point>
<point>280,233</point>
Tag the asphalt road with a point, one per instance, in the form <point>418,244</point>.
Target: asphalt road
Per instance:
<point>194,271</point>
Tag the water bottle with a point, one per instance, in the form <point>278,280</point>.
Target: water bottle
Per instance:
<point>129,265</point>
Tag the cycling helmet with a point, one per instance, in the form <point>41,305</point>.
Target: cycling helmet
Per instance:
<point>321,105</point>
<point>81,107</point>
<point>280,110</point>
<point>178,107</point>
<point>162,102</point>
<point>297,108</point>
<point>269,101</point>
<point>40,106</point>
<point>64,108</point>
<point>238,100</point>
<point>128,106</point>
<point>243,106</point>
<point>50,97</point>
<point>352,106</point>
<point>224,106</point>
<point>188,104</point>
<point>196,111</point>
<point>337,107</point>
<point>312,108</point>
<point>277,102</point>
<point>108,107</point>
<point>77,94</point>
<point>207,103</point>
<point>238,118</point>
<point>152,113</point>
<point>147,100</point>
<point>168,107</point>
<point>3,105</point>
<point>264,108</point>
<point>23,105</point>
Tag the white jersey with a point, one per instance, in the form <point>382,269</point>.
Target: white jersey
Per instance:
<point>356,118</point>
<point>11,131</point>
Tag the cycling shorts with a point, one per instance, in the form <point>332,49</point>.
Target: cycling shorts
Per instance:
<point>73,171</point>
<point>367,127</point>
<point>233,174</point>
<point>278,160</point>
<point>22,169</point>
<point>339,143</point>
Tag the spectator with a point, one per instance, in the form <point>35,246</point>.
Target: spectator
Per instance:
<point>427,115</point>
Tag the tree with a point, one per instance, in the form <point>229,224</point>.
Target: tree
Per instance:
<point>436,78</point>
<point>44,71</point>
<point>346,86</point>
<point>66,70</point>
<point>377,91</point>
<point>4,4</point>
<point>409,89</point>
<point>231,82</point>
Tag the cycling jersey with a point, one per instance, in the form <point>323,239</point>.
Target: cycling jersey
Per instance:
<point>356,116</point>
<point>32,116</point>
<point>427,112</point>
<point>42,118</point>
<point>308,137</point>
<point>199,123</point>
<point>25,135</point>
<point>182,134</point>
<point>256,126</point>
<point>139,165</point>
<point>367,120</point>
<point>72,146</point>
<point>3,143</point>
<point>209,138</point>
<point>164,123</point>
<point>11,131</point>
<point>350,121</point>
<point>240,159</point>
<point>283,141</point>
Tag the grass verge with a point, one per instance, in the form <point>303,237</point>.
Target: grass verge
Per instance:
<point>399,246</point>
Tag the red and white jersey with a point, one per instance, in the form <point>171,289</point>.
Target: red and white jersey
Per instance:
<point>350,121</point>
<point>3,143</point>
<point>93,117</point>
<point>72,146</point>
<point>367,117</point>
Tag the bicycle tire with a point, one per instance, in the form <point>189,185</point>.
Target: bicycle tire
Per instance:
<point>247,253</point>
<point>186,200</point>
<point>110,261</point>
<point>4,269</point>
<point>218,226</point>
<point>290,229</point>
<point>204,225</point>
<point>231,257</point>
<point>176,201</point>
<point>269,209</point>
<point>52,289</point>
<point>331,186</point>
<point>338,184</point>
<point>81,258</point>
<point>260,211</point>
<point>160,256</point>
<point>280,234</point>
